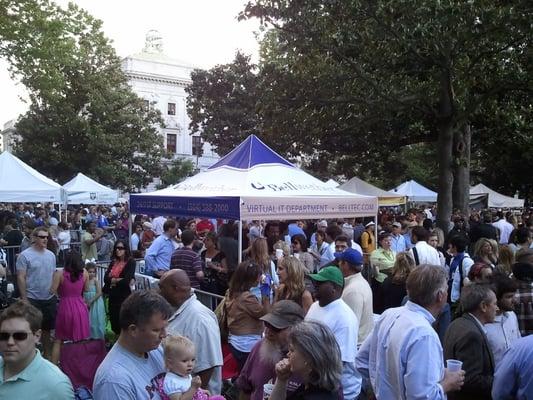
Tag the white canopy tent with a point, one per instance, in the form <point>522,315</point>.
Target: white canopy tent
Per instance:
<point>359,186</point>
<point>332,183</point>
<point>496,200</point>
<point>253,182</point>
<point>21,183</point>
<point>83,190</point>
<point>250,183</point>
<point>415,192</point>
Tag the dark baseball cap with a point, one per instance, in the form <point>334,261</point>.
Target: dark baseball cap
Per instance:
<point>283,314</point>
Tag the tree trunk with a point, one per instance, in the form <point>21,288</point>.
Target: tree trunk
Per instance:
<point>461,172</point>
<point>445,152</point>
<point>445,155</point>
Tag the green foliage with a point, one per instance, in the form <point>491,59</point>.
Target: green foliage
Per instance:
<point>178,170</point>
<point>222,103</point>
<point>83,116</point>
<point>353,87</point>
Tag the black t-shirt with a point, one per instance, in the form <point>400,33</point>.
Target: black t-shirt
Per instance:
<point>312,393</point>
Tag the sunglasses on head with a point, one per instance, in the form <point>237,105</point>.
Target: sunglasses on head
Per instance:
<point>18,336</point>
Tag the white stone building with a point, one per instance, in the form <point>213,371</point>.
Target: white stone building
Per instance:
<point>7,136</point>
<point>161,82</point>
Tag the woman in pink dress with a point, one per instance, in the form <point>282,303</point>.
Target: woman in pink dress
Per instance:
<point>72,320</point>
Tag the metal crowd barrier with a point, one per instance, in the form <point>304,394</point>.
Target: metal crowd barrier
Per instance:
<point>146,282</point>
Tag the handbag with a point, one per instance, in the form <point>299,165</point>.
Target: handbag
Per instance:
<point>221,313</point>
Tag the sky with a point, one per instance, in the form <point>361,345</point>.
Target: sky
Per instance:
<point>203,33</point>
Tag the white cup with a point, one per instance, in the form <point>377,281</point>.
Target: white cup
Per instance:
<point>454,365</point>
<point>10,288</point>
<point>279,254</point>
<point>267,390</point>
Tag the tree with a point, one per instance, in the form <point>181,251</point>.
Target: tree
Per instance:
<point>83,116</point>
<point>222,103</point>
<point>177,171</point>
<point>348,78</point>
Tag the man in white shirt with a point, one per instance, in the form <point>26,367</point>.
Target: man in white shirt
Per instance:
<point>402,357</point>
<point>333,312</point>
<point>422,252</point>
<point>357,293</point>
<point>197,322</point>
<point>504,226</point>
<point>504,330</point>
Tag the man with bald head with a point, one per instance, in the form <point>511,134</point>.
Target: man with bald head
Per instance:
<point>197,322</point>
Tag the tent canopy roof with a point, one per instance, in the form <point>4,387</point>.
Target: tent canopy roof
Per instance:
<point>497,199</point>
<point>415,192</point>
<point>20,183</point>
<point>359,186</point>
<point>254,182</point>
<point>83,190</point>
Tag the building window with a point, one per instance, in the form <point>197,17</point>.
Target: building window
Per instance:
<point>197,146</point>
<point>171,143</point>
<point>171,109</point>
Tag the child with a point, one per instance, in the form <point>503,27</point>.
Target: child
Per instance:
<point>179,360</point>
<point>93,299</point>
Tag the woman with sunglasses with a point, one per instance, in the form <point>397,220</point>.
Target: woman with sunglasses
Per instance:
<point>72,319</point>
<point>117,281</point>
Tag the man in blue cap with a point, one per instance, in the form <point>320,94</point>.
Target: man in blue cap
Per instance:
<point>357,293</point>
<point>332,311</point>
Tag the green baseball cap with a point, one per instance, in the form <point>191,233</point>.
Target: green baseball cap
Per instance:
<point>329,274</point>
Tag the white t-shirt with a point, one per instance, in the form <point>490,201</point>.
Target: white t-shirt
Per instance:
<point>64,240</point>
<point>174,383</point>
<point>342,321</point>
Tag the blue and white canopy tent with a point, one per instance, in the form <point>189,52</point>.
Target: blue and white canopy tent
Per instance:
<point>254,182</point>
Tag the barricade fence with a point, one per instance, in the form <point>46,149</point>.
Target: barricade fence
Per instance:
<point>146,282</point>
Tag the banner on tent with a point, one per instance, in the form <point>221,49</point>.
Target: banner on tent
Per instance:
<point>290,208</point>
<point>208,207</point>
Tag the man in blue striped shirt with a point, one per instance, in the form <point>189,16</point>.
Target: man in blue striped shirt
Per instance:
<point>402,358</point>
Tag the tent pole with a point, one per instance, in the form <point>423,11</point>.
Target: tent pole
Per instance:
<point>239,256</point>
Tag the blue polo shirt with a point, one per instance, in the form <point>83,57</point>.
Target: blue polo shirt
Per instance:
<point>40,380</point>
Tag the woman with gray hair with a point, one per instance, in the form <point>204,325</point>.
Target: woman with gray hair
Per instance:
<point>314,356</point>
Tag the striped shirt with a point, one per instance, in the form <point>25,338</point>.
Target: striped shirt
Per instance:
<point>188,260</point>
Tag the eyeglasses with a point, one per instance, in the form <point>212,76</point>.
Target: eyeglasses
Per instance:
<point>18,336</point>
<point>42,237</point>
<point>120,248</point>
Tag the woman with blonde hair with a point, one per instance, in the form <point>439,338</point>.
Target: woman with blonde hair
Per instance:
<point>486,251</point>
<point>292,283</point>
<point>506,260</point>
<point>393,289</point>
<point>259,255</point>
<point>243,310</point>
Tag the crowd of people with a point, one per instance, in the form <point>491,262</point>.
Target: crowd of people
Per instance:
<point>338,309</point>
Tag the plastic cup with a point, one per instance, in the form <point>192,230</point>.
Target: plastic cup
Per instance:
<point>454,365</point>
<point>267,390</point>
<point>279,253</point>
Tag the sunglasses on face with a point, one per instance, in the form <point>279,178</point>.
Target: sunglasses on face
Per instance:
<point>42,237</point>
<point>18,336</point>
<point>119,248</point>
